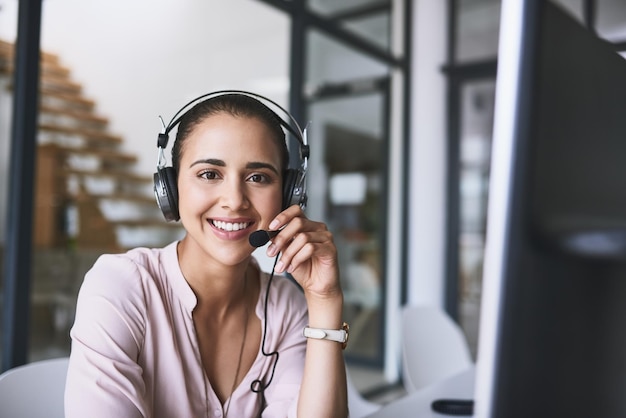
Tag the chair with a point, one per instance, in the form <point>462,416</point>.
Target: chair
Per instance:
<point>358,406</point>
<point>433,347</point>
<point>34,390</point>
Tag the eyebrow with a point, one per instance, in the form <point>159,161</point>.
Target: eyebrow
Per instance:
<point>222,163</point>
<point>212,161</point>
<point>257,165</point>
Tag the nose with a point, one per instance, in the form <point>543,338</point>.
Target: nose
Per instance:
<point>234,195</point>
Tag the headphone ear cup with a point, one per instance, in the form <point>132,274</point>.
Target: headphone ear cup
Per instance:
<point>166,192</point>
<point>288,184</point>
<point>293,189</point>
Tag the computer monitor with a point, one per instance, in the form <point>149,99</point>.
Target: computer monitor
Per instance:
<point>553,322</point>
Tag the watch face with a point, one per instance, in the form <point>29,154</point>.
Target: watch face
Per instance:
<point>346,328</point>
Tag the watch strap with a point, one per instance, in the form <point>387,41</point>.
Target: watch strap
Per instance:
<point>339,335</point>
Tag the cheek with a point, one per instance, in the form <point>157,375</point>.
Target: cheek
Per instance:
<point>188,197</point>
<point>271,203</point>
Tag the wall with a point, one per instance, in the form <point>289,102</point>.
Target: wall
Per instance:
<point>428,155</point>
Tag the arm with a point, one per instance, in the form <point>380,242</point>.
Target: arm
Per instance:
<point>309,254</point>
<point>104,379</point>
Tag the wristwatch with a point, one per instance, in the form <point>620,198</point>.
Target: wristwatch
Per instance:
<point>339,335</point>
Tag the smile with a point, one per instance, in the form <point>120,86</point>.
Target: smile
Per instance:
<point>230,226</point>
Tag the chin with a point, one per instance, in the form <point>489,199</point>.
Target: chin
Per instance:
<point>230,255</point>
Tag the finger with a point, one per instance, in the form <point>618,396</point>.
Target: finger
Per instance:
<point>320,277</point>
<point>285,236</point>
<point>305,246</point>
<point>289,232</point>
<point>322,253</point>
<point>285,216</point>
<point>300,229</point>
<point>303,253</point>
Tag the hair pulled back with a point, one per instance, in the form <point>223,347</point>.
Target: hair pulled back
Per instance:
<point>239,105</point>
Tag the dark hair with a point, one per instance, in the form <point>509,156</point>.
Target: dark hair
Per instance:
<point>236,105</point>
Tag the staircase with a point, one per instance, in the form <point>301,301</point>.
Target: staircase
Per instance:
<point>86,194</point>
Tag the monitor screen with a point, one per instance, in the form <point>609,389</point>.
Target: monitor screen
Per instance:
<point>553,321</point>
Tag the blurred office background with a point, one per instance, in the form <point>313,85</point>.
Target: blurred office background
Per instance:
<point>400,96</point>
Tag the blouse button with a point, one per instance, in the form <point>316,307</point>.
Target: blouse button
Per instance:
<point>218,413</point>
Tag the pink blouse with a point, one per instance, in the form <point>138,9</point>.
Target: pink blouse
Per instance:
<point>135,351</point>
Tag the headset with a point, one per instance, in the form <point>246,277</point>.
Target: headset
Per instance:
<point>165,178</point>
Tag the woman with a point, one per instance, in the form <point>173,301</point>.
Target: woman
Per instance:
<point>186,330</point>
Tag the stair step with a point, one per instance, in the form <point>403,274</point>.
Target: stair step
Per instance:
<point>72,117</point>
<point>55,71</point>
<point>54,76</point>
<point>111,186</point>
<point>47,68</point>
<point>123,207</point>
<point>56,99</point>
<point>99,155</point>
<point>124,197</point>
<point>54,82</point>
<point>7,49</point>
<point>51,96</point>
<point>115,175</point>
<point>49,132</point>
<point>152,223</point>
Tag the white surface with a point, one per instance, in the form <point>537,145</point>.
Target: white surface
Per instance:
<point>433,347</point>
<point>427,205</point>
<point>358,406</point>
<point>34,390</point>
<point>418,404</point>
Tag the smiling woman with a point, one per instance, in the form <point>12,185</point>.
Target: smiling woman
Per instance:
<point>198,321</point>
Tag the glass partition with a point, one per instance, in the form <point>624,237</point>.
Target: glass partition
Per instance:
<point>476,124</point>
<point>477,28</point>
<point>370,19</point>
<point>348,108</point>
<point>332,62</point>
<point>349,167</point>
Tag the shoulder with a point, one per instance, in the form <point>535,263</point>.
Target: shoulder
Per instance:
<point>124,274</point>
<point>121,267</point>
<point>116,291</point>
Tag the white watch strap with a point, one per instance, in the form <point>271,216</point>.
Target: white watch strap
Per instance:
<point>338,335</point>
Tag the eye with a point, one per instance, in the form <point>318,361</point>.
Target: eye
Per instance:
<point>259,178</point>
<point>209,175</point>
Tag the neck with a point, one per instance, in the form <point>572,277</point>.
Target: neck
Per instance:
<point>220,300</point>
<point>218,288</point>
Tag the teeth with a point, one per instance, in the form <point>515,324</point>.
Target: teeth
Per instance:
<point>230,226</point>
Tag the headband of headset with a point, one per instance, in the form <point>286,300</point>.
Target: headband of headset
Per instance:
<point>291,126</point>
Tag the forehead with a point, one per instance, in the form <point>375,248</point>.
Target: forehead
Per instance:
<point>233,135</point>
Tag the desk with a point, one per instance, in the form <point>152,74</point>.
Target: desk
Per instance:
<point>417,404</point>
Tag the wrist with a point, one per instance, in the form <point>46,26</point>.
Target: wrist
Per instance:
<point>325,312</point>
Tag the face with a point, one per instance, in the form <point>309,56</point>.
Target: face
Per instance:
<point>229,185</point>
